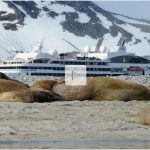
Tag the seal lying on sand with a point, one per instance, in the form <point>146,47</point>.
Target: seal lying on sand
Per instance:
<point>144,115</point>
<point>10,85</point>
<point>97,88</point>
<point>3,76</point>
<point>100,88</point>
<point>44,84</point>
<point>30,96</point>
<point>13,91</point>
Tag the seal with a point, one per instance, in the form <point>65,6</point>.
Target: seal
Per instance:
<point>11,85</point>
<point>103,88</point>
<point>144,115</point>
<point>30,96</point>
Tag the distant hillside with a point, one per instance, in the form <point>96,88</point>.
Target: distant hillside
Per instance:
<point>24,23</point>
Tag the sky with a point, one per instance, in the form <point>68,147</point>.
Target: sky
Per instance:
<point>138,9</point>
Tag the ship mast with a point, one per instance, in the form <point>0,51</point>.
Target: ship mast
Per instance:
<point>41,45</point>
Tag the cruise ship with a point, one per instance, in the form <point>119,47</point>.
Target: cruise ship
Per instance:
<point>98,62</point>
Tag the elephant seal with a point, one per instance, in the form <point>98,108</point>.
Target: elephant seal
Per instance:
<point>30,96</point>
<point>41,95</point>
<point>16,96</point>
<point>44,84</point>
<point>144,115</point>
<point>99,88</point>
<point>3,76</point>
<point>10,85</point>
<point>13,91</point>
<point>103,88</point>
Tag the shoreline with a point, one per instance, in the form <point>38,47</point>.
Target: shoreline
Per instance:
<point>83,122</point>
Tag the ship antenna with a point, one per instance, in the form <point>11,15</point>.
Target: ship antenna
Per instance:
<point>72,45</point>
<point>41,44</point>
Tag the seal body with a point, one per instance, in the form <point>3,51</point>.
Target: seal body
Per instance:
<point>103,88</point>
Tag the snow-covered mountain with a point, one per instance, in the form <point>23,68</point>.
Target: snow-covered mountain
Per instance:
<point>23,24</point>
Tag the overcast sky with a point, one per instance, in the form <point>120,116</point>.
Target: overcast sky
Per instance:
<point>138,9</point>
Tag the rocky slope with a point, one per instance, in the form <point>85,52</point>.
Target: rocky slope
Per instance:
<point>23,23</point>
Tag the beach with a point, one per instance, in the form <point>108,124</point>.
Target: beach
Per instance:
<point>74,124</point>
<point>67,124</point>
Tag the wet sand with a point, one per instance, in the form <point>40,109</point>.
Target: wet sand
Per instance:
<point>86,124</point>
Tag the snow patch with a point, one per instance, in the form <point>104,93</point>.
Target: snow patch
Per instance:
<point>12,22</point>
<point>61,8</point>
<point>4,7</point>
<point>83,18</point>
<point>106,24</point>
<point>140,48</point>
<point>110,42</point>
<point>20,8</point>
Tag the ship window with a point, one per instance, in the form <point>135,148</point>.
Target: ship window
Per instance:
<point>57,62</point>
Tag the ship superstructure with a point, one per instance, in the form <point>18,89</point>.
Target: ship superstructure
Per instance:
<point>98,61</point>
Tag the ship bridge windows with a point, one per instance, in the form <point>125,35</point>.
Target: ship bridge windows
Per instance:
<point>98,69</point>
<point>48,74</point>
<point>41,60</point>
<point>12,62</point>
<point>129,59</point>
<point>55,62</point>
<point>79,62</point>
<point>116,69</point>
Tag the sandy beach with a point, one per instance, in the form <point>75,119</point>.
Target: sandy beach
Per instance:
<point>86,124</point>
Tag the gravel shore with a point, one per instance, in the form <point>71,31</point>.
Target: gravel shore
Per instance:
<point>86,124</point>
<point>31,79</point>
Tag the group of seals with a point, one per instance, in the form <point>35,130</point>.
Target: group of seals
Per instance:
<point>97,88</point>
<point>15,91</point>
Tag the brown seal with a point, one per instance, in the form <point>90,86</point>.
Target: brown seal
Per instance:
<point>144,116</point>
<point>103,88</point>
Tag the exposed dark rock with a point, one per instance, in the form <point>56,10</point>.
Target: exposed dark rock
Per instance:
<point>30,7</point>
<point>10,26</point>
<point>2,12</point>
<point>18,15</point>
<point>8,17</point>
<point>52,14</point>
<point>114,30</point>
<point>94,27</point>
<point>45,8</point>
